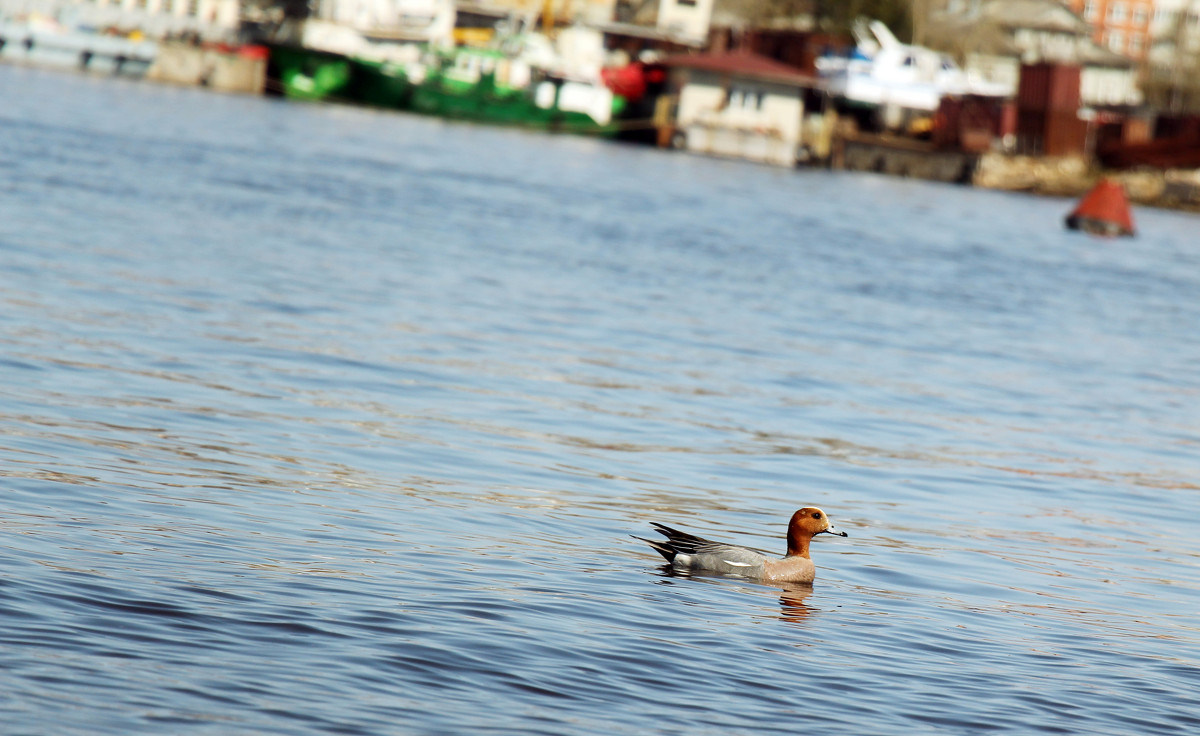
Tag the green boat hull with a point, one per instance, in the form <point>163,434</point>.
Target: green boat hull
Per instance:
<point>379,84</point>
<point>487,102</point>
<point>308,74</point>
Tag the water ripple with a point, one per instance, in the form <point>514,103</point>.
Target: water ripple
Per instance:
<point>321,420</point>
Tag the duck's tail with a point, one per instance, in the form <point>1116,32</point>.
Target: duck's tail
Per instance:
<point>663,548</point>
<point>677,542</point>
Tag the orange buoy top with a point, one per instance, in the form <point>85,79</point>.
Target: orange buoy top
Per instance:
<point>1103,211</point>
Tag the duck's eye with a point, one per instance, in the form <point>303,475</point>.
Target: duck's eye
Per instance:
<point>816,514</point>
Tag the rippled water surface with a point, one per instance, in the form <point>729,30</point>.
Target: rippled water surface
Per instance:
<point>320,420</point>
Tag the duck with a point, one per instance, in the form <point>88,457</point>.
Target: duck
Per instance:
<point>687,552</point>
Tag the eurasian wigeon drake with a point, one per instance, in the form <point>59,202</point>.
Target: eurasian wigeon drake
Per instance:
<point>687,552</point>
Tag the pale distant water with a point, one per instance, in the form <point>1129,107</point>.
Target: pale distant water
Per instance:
<point>321,420</point>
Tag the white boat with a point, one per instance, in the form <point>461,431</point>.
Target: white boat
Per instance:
<point>895,77</point>
<point>43,41</point>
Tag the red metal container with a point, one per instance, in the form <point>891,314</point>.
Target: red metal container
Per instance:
<point>1065,134</point>
<point>1048,87</point>
<point>1047,133</point>
<point>968,123</point>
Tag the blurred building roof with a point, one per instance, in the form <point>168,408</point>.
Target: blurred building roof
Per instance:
<point>1032,30</point>
<point>744,64</point>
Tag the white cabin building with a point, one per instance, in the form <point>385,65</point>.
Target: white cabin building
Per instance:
<point>742,105</point>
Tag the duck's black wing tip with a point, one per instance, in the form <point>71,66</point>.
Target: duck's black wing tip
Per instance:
<point>663,548</point>
<point>681,541</point>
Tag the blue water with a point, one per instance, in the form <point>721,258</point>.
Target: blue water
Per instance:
<point>323,420</point>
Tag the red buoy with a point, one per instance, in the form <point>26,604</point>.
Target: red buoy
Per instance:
<point>1103,211</point>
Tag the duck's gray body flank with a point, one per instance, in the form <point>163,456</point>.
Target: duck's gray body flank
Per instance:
<point>687,552</point>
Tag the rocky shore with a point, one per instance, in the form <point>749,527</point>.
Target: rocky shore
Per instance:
<point>1074,176</point>
<point>1069,176</point>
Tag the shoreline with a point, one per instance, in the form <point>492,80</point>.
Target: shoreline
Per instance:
<point>1066,176</point>
<point>1177,189</point>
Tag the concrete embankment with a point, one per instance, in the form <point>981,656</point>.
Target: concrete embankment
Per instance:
<point>901,157</point>
<point>224,69</point>
<point>1055,176</point>
<point>1073,177</point>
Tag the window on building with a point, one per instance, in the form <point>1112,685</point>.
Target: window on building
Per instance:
<point>1140,16</point>
<point>1135,44</point>
<point>1091,10</point>
<point>1115,40</point>
<point>1116,13</point>
<point>742,98</point>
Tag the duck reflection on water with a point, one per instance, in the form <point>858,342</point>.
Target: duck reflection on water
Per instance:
<point>793,597</point>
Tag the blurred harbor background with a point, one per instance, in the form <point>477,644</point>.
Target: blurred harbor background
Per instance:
<point>1046,96</point>
<point>325,419</point>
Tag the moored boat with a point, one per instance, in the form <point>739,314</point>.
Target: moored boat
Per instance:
<point>492,85</point>
<point>522,80</point>
<point>333,58</point>
<point>301,73</point>
<point>39,40</point>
